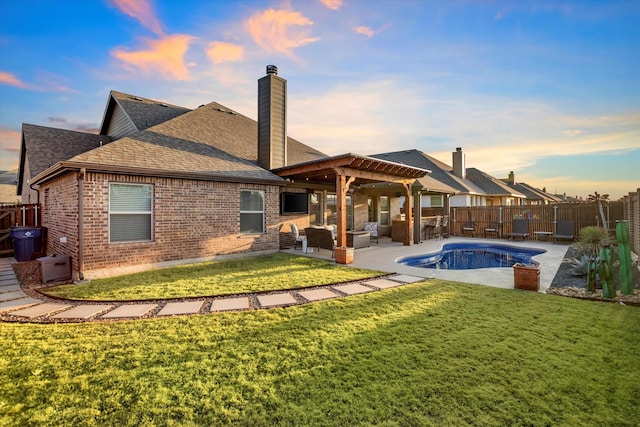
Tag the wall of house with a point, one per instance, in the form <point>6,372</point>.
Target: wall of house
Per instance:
<point>192,220</point>
<point>59,200</point>
<point>27,194</point>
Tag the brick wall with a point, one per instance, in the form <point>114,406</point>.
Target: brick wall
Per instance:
<point>59,201</point>
<point>191,220</point>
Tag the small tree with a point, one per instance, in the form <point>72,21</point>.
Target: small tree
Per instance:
<point>600,199</point>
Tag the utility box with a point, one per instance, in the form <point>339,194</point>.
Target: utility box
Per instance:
<point>55,268</point>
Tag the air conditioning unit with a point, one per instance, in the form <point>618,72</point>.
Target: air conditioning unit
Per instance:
<point>55,268</point>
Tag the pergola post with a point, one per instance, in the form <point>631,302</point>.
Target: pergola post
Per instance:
<point>408,215</point>
<point>342,187</point>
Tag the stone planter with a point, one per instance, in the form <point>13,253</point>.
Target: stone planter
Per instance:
<point>344,255</point>
<point>526,277</point>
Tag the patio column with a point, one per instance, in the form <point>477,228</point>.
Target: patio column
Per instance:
<point>342,186</point>
<point>408,215</point>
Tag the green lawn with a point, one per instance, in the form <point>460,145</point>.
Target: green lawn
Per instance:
<point>429,354</point>
<point>264,273</point>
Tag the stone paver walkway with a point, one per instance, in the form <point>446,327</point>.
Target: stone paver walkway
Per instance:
<point>16,305</point>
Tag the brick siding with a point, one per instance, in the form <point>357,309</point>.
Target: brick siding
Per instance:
<point>191,220</point>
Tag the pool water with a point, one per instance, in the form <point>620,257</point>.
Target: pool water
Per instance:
<point>469,256</point>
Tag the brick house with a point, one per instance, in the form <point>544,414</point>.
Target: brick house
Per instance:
<point>163,184</point>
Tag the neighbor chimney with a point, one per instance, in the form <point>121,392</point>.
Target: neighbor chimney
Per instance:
<point>458,163</point>
<point>272,120</point>
<point>512,178</point>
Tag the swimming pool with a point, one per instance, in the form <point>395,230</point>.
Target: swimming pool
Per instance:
<point>468,256</point>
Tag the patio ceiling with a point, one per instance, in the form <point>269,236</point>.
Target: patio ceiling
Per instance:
<point>363,169</point>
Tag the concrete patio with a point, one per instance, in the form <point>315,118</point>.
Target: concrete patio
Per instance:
<point>382,256</point>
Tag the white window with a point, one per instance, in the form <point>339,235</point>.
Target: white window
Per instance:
<point>436,202</point>
<point>130,212</point>
<point>251,211</point>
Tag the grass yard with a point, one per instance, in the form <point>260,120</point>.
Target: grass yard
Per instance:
<point>264,273</point>
<point>428,354</point>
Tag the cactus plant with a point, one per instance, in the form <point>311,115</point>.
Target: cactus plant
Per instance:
<point>591,275</point>
<point>606,272</point>
<point>624,255</point>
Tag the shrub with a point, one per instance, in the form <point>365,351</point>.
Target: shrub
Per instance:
<point>592,238</point>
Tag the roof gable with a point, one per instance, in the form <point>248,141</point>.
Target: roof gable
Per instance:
<point>142,112</point>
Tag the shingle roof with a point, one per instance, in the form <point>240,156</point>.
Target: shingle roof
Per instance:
<point>153,151</point>
<point>490,185</point>
<point>441,177</point>
<point>143,112</point>
<point>45,146</point>
<point>211,141</point>
<point>532,193</point>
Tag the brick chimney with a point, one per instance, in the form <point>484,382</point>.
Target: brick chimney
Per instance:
<point>512,178</point>
<point>459,168</point>
<point>272,120</point>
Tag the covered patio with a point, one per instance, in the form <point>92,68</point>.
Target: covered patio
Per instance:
<point>348,172</point>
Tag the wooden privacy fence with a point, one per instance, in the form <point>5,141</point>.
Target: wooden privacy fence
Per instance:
<point>16,215</point>
<point>541,218</point>
<point>631,207</point>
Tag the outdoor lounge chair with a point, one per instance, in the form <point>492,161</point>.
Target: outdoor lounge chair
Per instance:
<point>469,227</point>
<point>298,238</point>
<point>320,237</point>
<point>564,231</point>
<point>520,229</point>
<point>492,227</point>
<point>372,228</point>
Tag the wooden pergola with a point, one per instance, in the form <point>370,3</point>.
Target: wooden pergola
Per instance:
<point>346,170</point>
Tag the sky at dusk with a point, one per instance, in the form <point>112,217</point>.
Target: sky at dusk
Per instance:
<point>549,90</point>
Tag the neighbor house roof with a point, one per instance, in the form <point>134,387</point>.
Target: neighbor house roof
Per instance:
<point>490,185</point>
<point>441,179</point>
<point>532,193</point>
<point>42,147</point>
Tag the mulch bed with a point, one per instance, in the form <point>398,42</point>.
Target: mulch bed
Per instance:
<point>565,283</point>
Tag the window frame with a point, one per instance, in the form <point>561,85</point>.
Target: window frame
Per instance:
<point>112,213</point>
<point>384,215</point>
<point>262,212</point>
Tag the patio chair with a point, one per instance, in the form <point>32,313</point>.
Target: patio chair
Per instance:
<point>469,227</point>
<point>372,228</point>
<point>520,229</point>
<point>320,237</point>
<point>492,227</point>
<point>564,231</point>
<point>298,238</point>
<point>444,227</point>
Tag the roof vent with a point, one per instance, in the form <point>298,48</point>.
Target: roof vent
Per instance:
<point>137,98</point>
<point>163,105</point>
<point>272,69</point>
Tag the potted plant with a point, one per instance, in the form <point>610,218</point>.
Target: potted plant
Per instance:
<point>526,276</point>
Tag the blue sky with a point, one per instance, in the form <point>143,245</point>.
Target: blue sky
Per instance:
<point>550,90</point>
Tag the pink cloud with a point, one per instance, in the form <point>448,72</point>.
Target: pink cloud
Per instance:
<point>11,80</point>
<point>332,4</point>
<point>220,52</point>
<point>164,56</point>
<point>142,11</point>
<point>271,30</point>
<point>365,31</point>
<point>10,140</point>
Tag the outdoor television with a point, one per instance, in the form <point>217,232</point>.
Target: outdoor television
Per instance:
<point>294,203</point>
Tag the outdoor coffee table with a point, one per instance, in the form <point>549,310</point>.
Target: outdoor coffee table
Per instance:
<point>358,239</point>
